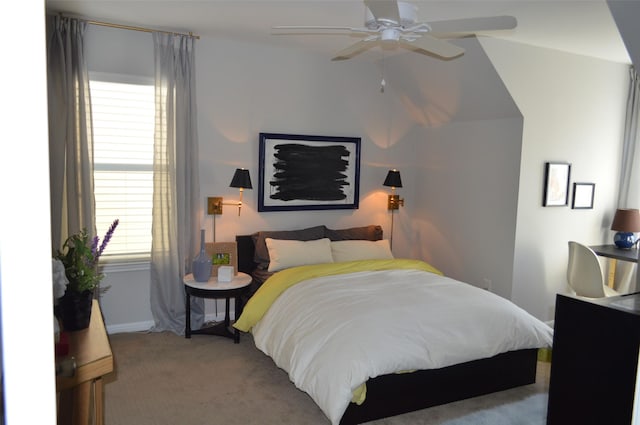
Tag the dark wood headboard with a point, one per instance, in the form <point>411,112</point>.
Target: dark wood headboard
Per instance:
<point>246,251</point>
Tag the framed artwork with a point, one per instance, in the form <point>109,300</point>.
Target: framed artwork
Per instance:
<point>583,196</point>
<point>556,184</point>
<point>222,254</point>
<point>299,172</point>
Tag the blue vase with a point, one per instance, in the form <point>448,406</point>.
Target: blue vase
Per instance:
<point>201,266</point>
<point>624,240</point>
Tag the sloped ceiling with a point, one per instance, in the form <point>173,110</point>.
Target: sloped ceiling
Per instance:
<point>626,14</point>
<point>583,27</point>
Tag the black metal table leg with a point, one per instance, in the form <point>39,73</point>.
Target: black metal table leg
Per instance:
<point>187,326</point>
<point>236,289</point>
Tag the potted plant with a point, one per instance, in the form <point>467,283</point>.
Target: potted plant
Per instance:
<point>79,255</point>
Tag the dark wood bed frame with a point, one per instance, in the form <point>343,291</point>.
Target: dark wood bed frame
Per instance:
<point>394,394</point>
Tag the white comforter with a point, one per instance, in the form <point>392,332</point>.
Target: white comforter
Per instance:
<point>331,334</point>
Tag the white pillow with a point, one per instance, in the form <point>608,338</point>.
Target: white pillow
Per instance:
<point>353,250</point>
<point>286,253</point>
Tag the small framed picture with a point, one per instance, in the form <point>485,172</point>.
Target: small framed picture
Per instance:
<point>556,184</point>
<point>222,254</point>
<point>583,196</point>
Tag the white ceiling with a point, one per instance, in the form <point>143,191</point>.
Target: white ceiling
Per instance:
<point>583,27</point>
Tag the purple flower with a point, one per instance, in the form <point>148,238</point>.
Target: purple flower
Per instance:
<point>107,238</point>
<point>79,256</point>
<point>94,246</point>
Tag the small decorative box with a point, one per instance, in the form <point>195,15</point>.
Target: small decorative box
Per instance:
<point>225,274</point>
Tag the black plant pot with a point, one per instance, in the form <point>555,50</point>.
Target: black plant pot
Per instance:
<point>75,310</point>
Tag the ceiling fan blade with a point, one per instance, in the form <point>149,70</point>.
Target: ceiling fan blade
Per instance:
<point>315,27</point>
<point>384,10</point>
<point>433,45</point>
<point>354,49</point>
<point>491,23</point>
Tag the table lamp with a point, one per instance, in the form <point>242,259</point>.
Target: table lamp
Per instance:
<point>626,222</point>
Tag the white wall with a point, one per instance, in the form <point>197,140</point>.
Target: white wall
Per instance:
<point>26,307</point>
<point>573,109</point>
<point>245,89</point>
<point>463,200</point>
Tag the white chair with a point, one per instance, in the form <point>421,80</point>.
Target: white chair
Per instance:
<point>584,273</point>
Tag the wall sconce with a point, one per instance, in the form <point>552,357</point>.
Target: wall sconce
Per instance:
<point>626,221</point>
<point>393,180</point>
<point>242,180</point>
<point>394,201</point>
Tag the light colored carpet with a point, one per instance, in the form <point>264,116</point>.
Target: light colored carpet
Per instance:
<point>163,378</point>
<point>529,411</point>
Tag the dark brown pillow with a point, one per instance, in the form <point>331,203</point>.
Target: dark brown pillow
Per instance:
<point>367,233</point>
<point>262,254</point>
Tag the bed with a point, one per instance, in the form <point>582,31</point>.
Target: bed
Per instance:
<point>351,333</point>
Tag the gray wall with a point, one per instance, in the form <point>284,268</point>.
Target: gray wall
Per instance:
<point>625,13</point>
<point>471,157</point>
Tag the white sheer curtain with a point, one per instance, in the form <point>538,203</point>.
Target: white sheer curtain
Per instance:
<point>629,193</point>
<point>175,227</point>
<point>70,130</point>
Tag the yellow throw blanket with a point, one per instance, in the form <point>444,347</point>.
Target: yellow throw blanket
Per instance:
<point>279,282</point>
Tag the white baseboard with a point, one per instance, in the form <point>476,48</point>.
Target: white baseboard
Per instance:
<point>129,327</point>
<point>148,324</point>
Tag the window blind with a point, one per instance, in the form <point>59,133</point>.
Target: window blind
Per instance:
<point>123,129</point>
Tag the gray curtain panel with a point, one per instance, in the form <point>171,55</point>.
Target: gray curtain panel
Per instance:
<point>176,198</point>
<point>70,130</point>
<point>629,195</point>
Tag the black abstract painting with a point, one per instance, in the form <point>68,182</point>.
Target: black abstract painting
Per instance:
<point>308,172</point>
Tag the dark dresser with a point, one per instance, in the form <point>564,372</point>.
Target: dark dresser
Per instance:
<point>594,361</point>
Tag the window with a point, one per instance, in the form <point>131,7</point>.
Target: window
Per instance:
<point>123,126</point>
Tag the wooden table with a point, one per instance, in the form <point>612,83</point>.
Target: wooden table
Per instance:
<point>81,396</point>
<point>614,253</point>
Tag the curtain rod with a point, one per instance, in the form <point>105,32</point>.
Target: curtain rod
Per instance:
<point>132,28</point>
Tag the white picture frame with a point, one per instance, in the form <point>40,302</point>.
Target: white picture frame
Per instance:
<point>583,196</point>
<point>556,184</point>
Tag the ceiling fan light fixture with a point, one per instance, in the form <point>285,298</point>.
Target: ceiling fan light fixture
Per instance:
<point>390,34</point>
<point>393,23</point>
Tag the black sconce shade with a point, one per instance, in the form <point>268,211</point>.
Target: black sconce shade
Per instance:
<point>242,179</point>
<point>393,179</point>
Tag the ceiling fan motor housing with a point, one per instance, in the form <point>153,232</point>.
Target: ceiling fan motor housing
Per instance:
<point>408,16</point>
<point>390,34</point>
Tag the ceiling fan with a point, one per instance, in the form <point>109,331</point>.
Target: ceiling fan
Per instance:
<point>389,23</point>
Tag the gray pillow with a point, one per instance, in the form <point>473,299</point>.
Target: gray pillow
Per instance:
<point>366,233</point>
<point>262,254</point>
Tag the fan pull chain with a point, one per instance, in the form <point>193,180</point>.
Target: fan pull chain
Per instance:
<point>383,83</point>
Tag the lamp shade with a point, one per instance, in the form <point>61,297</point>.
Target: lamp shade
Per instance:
<point>393,179</point>
<point>241,179</point>
<point>626,220</point>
